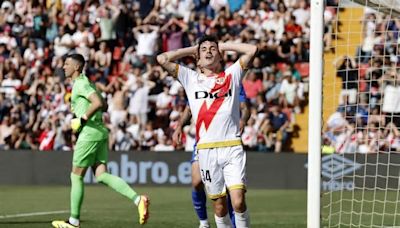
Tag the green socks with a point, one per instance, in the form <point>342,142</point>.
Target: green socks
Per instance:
<point>77,192</point>
<point>118,185</point>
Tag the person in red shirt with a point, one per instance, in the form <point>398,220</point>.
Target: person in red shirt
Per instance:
<point>292,27</point>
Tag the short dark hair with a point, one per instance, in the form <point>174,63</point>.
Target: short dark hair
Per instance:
<point>79,59</point>
<point>205,38</point>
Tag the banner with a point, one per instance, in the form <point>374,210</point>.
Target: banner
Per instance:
<point>273,171</point>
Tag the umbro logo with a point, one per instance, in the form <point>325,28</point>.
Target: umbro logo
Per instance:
<point>336,166</point>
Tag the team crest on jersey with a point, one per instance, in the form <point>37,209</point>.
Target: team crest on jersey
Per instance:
<point>220,80</point>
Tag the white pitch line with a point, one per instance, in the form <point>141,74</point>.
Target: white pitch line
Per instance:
<point>33,214</point>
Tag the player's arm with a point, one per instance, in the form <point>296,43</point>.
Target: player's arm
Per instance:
<point>245,114</point>
<point>96,103</point>
<point>167,59</point>
<point>248,50</point>
<point>187,115</point>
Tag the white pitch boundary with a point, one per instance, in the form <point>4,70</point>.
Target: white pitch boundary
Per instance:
<point>34,214</point>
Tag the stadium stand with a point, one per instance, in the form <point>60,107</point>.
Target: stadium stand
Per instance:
<point>120,40</point>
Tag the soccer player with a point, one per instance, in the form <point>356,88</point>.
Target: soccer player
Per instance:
<point>198,194</point>
<point>91,149</point>
<point>213,96</point>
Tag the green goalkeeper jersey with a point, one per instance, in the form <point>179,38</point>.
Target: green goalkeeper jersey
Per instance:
<point>94,129</point>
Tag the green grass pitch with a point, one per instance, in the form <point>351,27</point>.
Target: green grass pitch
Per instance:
<point>170,207</point>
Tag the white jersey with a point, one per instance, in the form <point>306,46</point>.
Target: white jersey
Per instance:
<point>215,105</point>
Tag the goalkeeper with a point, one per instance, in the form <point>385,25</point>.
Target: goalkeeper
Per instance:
<point>91,149</point>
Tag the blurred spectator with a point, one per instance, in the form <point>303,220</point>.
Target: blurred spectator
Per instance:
<point>277,125</point>
<point>146,36</point>
<point>138,103</point>
<point>286,49</point>
<point>348,72</point>
<point>102,61</point>
<point>173,34</point>
<point>368,116</point>
<point>252,86</point>
<point>164,145</point>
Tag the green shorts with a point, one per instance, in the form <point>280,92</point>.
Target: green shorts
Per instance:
<point>88,153</point>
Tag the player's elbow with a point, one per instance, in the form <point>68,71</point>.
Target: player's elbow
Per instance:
<point>161,59</point>
<point>253,50</point>
<point>97,104</point>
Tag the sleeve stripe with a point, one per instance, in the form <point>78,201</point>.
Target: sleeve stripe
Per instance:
<point>241,64</point>
<point>177,69</point>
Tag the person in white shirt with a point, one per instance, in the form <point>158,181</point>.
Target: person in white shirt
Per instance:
<point>163,145</point>
<point>62,43</point>
<point>213,95</point>
<point>33,53</point>
<point>163,102</point>
<point>146,36</point>
<point>139,101</point>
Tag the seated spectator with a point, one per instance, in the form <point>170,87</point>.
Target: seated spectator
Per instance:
<point>124,140</point>
<point>7,39</point>
<point>33,53</point>
<point>276,125</point>
<point>163,145</point>
<point>148,137</point>
<point>288,91</point>
<point>287,49</point>
<point>6,129</point>
<point>10,84</point>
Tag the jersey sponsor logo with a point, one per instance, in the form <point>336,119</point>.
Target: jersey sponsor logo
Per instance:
<point>205,95</point>
<point>220,90</point>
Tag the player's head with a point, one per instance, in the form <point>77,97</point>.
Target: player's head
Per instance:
<point>208,53</point>
<point>74,64</point>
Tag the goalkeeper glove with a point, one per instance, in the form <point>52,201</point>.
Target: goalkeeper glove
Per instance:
<point>78,123</point>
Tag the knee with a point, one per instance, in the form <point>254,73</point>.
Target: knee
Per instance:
<point>220,209</point>
<point>100,178</point>
<point>239,204</point>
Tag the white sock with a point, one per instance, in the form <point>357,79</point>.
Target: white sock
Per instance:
<point>242,220</point>
<point>73,221</point>
<point>204,223</point>
<point>223,222</point>
<point>137,200</point>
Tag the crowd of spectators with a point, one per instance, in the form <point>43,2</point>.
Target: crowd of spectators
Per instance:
<point>120,39</point>
<point>368,117</point>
